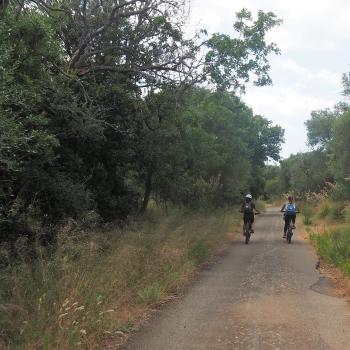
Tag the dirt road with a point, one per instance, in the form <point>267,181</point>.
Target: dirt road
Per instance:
<point>266,295</point>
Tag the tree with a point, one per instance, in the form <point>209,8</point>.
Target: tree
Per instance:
<point>230,60</point>
<point>320,128</point>
<point>102,105</point>
<point>340,148</point>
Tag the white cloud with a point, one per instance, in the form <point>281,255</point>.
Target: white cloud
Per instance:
<point>320,76</point>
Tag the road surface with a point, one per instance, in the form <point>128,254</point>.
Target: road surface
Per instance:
<point>265,295</point>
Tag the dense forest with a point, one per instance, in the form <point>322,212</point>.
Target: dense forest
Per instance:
<point>105,105</point>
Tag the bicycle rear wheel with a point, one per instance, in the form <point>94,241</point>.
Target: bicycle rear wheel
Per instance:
<point>247,237</point>
<point>289,235</point>
<point>246,233</point>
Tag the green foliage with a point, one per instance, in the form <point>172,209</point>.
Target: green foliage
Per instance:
<point>325,169</point>
<point>195,155</point>
<point>339,148</point>
<point>229,61</point>
<point>320,128</point>
<point>305,172</point>
<point>334,247</point>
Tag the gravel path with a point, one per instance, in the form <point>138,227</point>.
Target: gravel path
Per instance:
<point>266,295</point>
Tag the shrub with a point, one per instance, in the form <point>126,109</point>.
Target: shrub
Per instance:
<point>151,294</point>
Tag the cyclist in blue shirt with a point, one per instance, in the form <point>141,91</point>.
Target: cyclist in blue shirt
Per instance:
<point>290,213</point>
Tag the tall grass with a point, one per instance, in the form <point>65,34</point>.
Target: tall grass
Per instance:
<point>95,285</point>
<point>333,241</point>
<point>333,211</point>
<point>334,247</point>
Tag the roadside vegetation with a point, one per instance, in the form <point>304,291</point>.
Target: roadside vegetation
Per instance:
<point>328,225</point>
<point>95,287</point>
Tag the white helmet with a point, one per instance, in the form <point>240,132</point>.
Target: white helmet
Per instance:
<point>249,196</point>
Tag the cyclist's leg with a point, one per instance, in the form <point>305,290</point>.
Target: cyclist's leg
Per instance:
<point>294,216</point>
<point>286,224</point>
<point>251,222</point>
<point>245,222</point>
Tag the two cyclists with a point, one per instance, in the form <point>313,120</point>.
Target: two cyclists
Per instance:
<point>248,209</point>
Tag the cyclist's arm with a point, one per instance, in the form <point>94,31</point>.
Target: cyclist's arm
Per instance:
<point>256,210</point>
<point>283,207</point>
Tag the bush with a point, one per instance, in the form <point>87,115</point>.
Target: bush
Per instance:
<point>151,294</point>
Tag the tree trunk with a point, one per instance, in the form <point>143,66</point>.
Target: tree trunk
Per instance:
<point>148,191</point>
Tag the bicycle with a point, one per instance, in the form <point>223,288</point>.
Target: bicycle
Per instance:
<point>247,231</point>
<point>289,232</point>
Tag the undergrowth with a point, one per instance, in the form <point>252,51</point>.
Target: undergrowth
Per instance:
<point>96,284</point>
<point>331,232</point>
<point>334,247</point>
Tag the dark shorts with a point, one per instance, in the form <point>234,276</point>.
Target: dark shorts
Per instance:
<point>288,217</point>
<point>248,217</point>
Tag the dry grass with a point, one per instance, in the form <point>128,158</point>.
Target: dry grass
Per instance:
<point>97,286</point>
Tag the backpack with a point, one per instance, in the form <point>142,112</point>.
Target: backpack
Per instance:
<point>290,208</point>
<point>248,208</point>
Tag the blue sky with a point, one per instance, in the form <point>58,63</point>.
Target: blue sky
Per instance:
<point>314,40</point>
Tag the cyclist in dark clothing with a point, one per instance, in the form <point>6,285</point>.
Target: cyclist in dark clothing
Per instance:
<point>248,208</point>
<point>290,213</point>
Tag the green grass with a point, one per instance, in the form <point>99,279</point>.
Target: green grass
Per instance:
<point>99,283</point>
<point>199,252</point>
<point>334,247</point>
<point>151,294</point>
